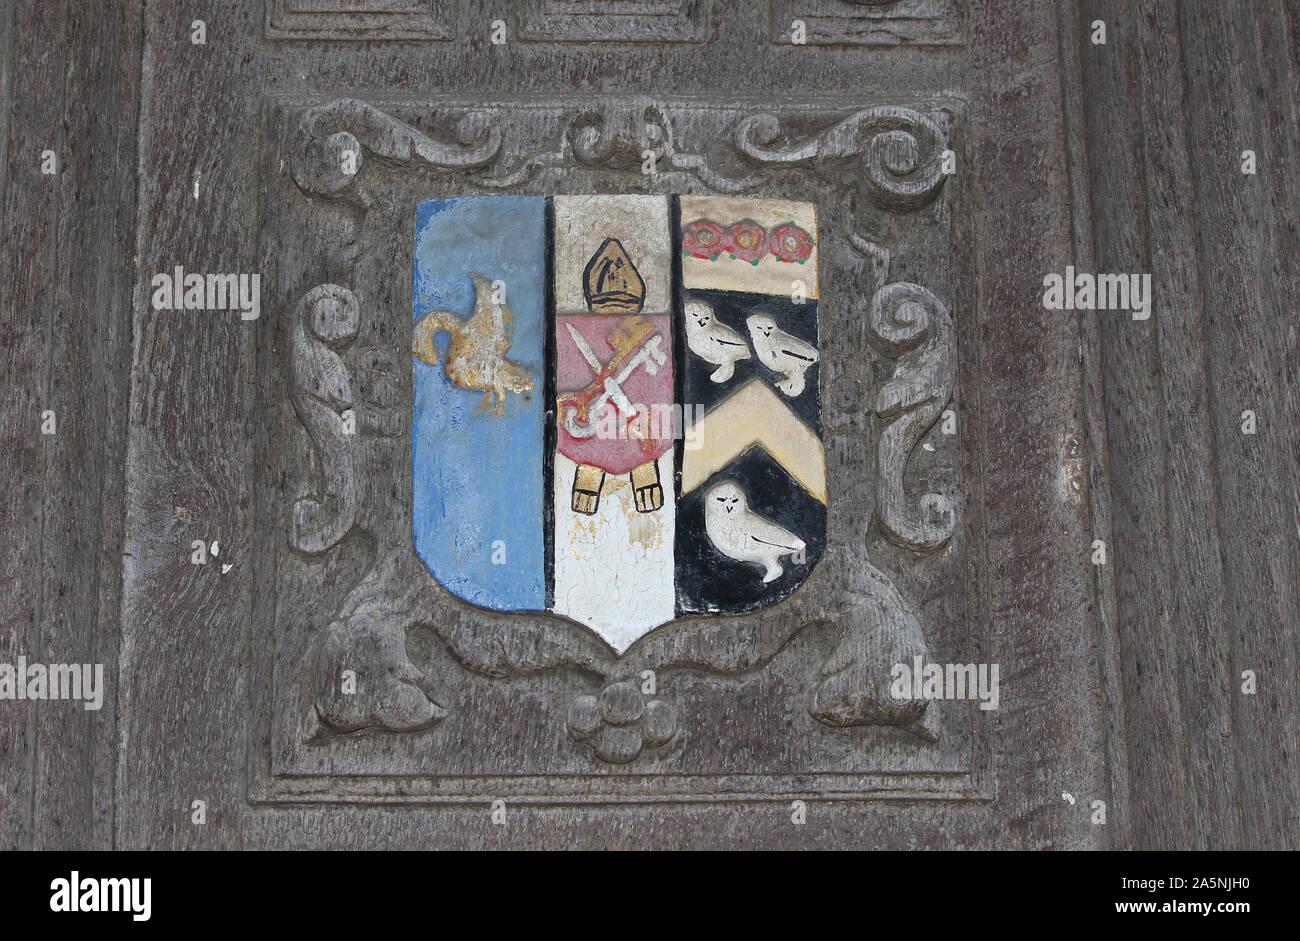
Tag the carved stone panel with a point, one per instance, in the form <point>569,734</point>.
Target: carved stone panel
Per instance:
<point>360,19</point>
<point>621,21</point>
<point>375,683</point>
<point>868,22</point>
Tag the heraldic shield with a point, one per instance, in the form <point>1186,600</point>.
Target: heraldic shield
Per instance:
<point>617,411</point>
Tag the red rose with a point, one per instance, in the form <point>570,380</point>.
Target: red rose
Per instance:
<point>790,243</point>
<point>748,241</point>
<point>705,239</point>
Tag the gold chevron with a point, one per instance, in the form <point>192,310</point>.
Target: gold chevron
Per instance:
<point>755,416</point>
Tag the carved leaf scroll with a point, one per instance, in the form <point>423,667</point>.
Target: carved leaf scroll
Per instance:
<point>901,151</point>
<point>335,136</point>
<point>327,317</point>
<point>908,321</point>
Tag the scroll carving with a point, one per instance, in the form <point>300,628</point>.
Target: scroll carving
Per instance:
<point>325,319</point>
<point>619,135</point>
<point>852,686</point>
<point>901,149</point>
<point>330,153</point>
<point>882,630</point>
<point>367,640</point>
<point>879,629</point>
<point>908,321</point>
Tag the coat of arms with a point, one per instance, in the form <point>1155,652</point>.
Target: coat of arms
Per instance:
<point>617,414</point>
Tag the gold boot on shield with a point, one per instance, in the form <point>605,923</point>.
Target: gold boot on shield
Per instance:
<point>646,487</point>
<point>587,481</point>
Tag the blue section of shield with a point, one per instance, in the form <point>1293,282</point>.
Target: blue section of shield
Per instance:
<point>478,510</point>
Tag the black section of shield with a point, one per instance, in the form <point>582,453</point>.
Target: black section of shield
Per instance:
<point>680,353</point>
<point>734,308</point>
<point>708,581</point>
<point>549,431</point>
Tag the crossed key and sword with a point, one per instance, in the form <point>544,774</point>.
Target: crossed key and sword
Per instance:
<point>632,351</point>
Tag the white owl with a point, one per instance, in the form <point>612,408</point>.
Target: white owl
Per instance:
<point>744,536</point>
<point>713,342</point>
<point>781,352</point>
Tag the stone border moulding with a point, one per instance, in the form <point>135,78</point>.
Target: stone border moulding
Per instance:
<point>624,21</point>
<point>882,23</point>
<point>419,20</point>
<point>879,23</point>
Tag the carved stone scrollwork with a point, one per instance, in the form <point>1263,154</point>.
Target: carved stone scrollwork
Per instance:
<point>908,321</point>
<point>902,151</point>
<point>368,637</point>
<point>882,630</point>
<point>363,677</point>
<point>325,319</point>
<point>861,617</point>
<point>330,153</point>
<point>622,136</point>
<point>619,137</point>
<point>877,630</point>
